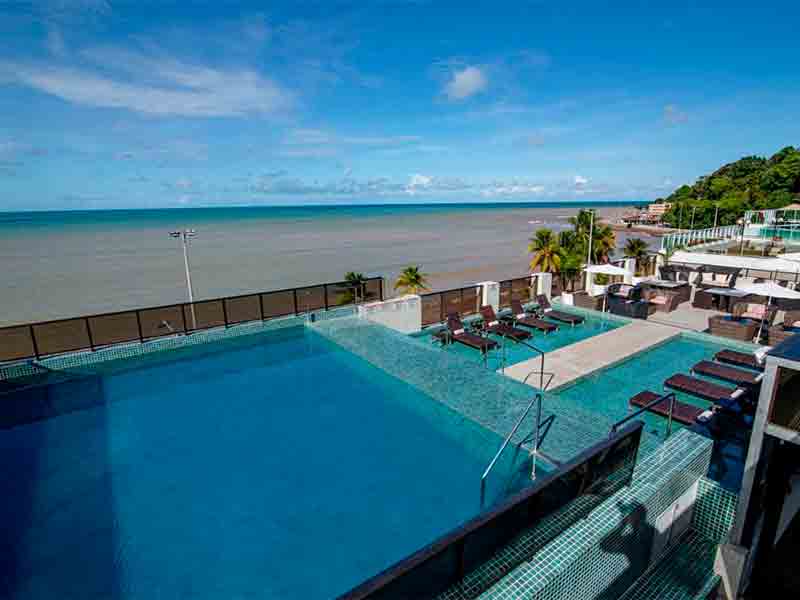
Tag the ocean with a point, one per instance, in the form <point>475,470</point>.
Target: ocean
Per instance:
<point>62,264</point>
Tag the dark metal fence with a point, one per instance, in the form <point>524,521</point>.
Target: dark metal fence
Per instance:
<point>437,305</point>
<point>516,289</point>
<point>34,340</point>
<point>572,491</point>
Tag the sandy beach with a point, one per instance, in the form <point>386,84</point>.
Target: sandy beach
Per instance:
<point>86,268</point>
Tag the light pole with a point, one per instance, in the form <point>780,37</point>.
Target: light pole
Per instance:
<point>589,276</point>
<point>184,236</point>
<point>694,208</point>
<point>716,213</point>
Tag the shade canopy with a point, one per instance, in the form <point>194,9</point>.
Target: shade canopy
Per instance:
<point>607,270</point>
<point>793,256</point>
<point>740,262</point>
<point>770,289</point>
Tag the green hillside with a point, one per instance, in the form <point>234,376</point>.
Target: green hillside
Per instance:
<point>751,183</point>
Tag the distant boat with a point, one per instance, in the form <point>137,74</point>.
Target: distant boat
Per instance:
<point>537,222</point>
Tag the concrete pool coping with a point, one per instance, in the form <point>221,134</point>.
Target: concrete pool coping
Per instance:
<point>581,358</point>
<point>576,361</point>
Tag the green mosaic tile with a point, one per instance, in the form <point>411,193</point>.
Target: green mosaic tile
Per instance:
<point>683,572</point>
<point>603,554</point>
<point>714,511</point>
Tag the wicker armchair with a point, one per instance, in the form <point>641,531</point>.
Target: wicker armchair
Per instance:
<point>789,327</point>
<point>791,318</point>
<point>584,300</point>
<point>736,329</point>
<point>703,299</point>
<point>663,300</point>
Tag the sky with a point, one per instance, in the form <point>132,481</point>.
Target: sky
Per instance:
<point>146,104</point>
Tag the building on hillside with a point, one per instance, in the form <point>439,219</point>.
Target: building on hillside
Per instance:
<point>658,208</point>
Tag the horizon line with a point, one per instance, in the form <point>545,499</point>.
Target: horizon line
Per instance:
<point>331,206</point>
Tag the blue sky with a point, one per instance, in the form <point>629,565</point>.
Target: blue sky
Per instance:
<point>146,104</point>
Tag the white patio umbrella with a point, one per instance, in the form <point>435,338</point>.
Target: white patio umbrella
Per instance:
<point>606,269</point>
<point>793,256</point>
<point>771,290</point>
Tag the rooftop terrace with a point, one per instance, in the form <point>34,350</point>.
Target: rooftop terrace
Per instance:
<point>593,377</point>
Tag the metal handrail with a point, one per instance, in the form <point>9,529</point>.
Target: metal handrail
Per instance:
<point>668,396</point>
<point>537,399</point>
<point>550,375</point>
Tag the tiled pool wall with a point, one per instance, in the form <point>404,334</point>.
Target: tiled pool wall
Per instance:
<point>489,398</point>
<point>509,353</point>
<point>79,375</point>
<point>697,336</point>
<point>602,556</point>
<point>127,351</point>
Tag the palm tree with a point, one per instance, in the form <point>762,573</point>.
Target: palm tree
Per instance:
<point>357,289</point>
<point>636,248</point>
<point>571,263</point>
<point>582,222</point>
<point>604,240</point>
<point>546,252</point>
<point>411,280</point>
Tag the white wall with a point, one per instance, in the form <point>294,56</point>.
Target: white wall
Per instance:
<point>403,314</point>
<point>490,294</point>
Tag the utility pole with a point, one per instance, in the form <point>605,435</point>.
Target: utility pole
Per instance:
<point>716,213</point>
<point>691,226</point>
<point>184,236</point>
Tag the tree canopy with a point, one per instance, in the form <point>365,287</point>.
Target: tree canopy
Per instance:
<point>750,183</point>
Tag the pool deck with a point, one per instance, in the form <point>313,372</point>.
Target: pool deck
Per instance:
<point>568,363</point>
<point>685,317</point>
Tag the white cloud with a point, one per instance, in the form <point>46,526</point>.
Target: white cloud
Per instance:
<point>316,143</point>
<point>500,189</point>
<point>154,84</point>
<point>580,181</point>
<point>466,82</point>
<point>418,180</point>
<point>416,184</point>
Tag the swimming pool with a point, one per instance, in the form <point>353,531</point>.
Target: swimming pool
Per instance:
<point>280,466</point>
<point>509,353</point>
<point>606,393</point>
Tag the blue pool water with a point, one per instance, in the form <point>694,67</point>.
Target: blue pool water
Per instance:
<point>509,352</point>
<point>282,467</point>
<point>607,391</point>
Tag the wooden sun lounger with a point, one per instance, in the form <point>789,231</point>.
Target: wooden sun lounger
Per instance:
<point>712,392</point>
<point>727,373</point>
<point>558,315</point>
<point>526,320</point>
<point>740,359</point>
<point>472,340</point>
<point>682,412</point>
<point>493,325</point>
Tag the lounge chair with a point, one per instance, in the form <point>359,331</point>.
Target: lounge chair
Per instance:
<point>462,336</point>
<point>493,325</point>
<point>727,373</point>
<point>526,320</point>
<point>740,359</point>
<point>558,315</point>
<point>712,392</point>
<point>682,412</point>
